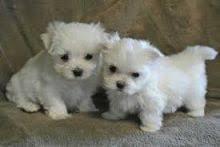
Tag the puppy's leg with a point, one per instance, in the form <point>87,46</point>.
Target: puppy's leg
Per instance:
<point>195,102</point>
<point>151,114</point>
<point>114,114</point>
<point>151,121</point>
<point>28,106</point>
<point>196,106</point>
<point>57,110</point>
<point>22,100</point>
<point>53,104</point>
<point>87,105</point>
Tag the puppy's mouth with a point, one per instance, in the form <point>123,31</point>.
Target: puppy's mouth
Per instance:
<point>81,75</point>
<point>121,90</point>
<point>85,76</point>
<point>124,91</point>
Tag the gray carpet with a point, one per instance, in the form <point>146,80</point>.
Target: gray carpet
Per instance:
<point>19,128</point>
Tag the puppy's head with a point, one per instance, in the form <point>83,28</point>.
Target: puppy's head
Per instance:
<point>127,64</point>
<point>74,47</point>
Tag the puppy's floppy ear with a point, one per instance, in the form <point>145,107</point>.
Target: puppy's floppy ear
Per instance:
<point>150,51</point>
<point>109,42</point>
<point>98,26</point>
<point>47,41</point>
<point>153,53</point>
<point>46,38</point>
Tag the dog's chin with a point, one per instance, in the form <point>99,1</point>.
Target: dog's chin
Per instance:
<point>86,76</point>
<point>128,92</point>
<point>69,76</point>
<point>123,92</point>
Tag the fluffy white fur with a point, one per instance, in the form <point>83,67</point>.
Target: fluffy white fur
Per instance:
<point>164,83</point>
<point>48,79</point>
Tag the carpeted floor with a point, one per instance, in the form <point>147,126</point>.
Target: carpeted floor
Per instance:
<point>19,128</point>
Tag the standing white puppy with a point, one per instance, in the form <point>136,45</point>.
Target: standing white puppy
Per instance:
<point>139,79</point>
<point>65,75</point>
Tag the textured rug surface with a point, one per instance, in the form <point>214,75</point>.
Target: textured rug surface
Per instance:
<point>18,128</point>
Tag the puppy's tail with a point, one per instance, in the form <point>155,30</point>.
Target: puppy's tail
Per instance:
<point>202,52</point>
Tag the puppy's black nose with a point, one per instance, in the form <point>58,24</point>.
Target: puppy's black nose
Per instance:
<point>120,85</point>
<point>77,72</point>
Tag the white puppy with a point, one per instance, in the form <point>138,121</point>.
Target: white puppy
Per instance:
<point>65,75</point>
<point>139,79</point>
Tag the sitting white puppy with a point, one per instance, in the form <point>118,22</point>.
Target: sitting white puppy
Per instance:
<point>65,75</point>
<point>139,79</point>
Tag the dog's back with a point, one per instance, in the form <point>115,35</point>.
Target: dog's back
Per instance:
<point>184,78</point>
<point>193,56</point>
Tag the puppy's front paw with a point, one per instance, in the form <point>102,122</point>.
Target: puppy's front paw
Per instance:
<point>169,110</point>
<point>110,116</point>
<point>87,106</point>
<point>30,107</point>
<point>149,128</point>
<point>196,113</point>
<point>57,115</point>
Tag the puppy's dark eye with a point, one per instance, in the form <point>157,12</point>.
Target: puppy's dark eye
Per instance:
<point>135,74</point>
<point>112,68</point>
<point>88,57</point>
<point>65,57</point>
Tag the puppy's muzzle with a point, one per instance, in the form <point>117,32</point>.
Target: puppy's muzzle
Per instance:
<point>77,72</point>
<point>120,85</point>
